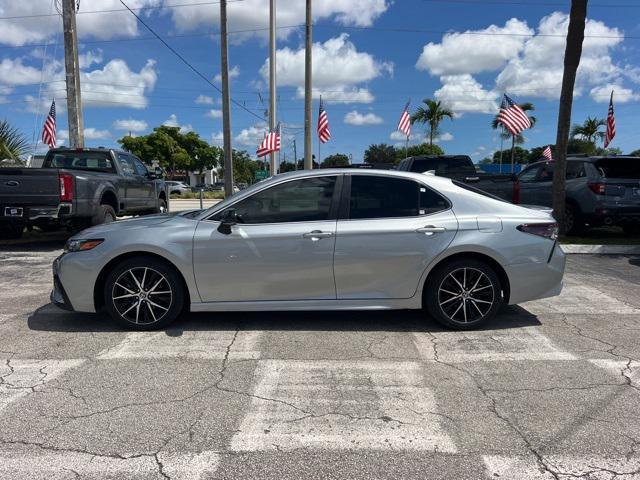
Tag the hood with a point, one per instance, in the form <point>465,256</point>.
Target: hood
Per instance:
<point>128,224</point>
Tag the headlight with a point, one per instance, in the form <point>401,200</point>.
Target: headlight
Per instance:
<point>81,245</point>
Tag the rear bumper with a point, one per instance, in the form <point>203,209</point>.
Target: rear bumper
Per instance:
<point>616,215</point>
<point>32,214</point>
<point>535,280</point>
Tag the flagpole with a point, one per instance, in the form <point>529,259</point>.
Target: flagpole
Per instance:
<point>501,146</point>
<point>406,148</point>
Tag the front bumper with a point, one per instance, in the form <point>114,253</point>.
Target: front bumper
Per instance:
<point>536,280</point>
<point>58,295</point>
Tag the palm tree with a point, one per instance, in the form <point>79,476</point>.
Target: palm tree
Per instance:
<point>13,144</point>
<point>432,116</point>
<point>380,153</point>
<point>589,130</point>
<point>517,139</point>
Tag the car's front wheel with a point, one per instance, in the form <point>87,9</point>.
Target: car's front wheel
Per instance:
<point>143,293</point>
<point>463,294</point>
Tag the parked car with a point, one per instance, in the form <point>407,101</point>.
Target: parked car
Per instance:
<point>177,188</point>
<point>77,188</point>
<point>461,168</point>
<point>330,239</point>
<point>599,191</point>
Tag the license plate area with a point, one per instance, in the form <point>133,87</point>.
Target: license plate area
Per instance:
<point>13,211</point>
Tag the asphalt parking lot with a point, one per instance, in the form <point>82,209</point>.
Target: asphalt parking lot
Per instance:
<point>550,390</point>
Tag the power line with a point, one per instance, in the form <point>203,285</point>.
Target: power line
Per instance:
<point>185,61</point>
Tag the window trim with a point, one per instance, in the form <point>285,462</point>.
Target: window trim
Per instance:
<point>345,201</point>
<point>333,209</point>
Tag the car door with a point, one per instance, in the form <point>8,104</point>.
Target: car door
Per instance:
<point>280,249</point>
<point>147,184</point>
<point>131,197</point>
<point>528,185</point>
<point>389,231</point>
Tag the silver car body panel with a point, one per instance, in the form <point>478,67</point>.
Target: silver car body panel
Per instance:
<point>364,264</point>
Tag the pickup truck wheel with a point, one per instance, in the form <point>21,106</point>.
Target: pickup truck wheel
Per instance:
<point>162,206</point>
<point>105,214</point>
<point>463,294</point>
<point>143,293</point>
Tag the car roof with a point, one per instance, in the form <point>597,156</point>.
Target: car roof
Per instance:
<point>88,149</point>
<point>590,159</point>
<point>359,171</point>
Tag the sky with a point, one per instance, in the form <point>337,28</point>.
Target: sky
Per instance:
<point>369,58</point>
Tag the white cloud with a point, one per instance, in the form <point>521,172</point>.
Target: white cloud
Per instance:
<point>13,72</point>
<point>252,136</point>
<point>338,67</point>
<point>217,138</point>
<point>472,52</point>
<point>537,72</point>
<point>233,73</point>
<point>356,118</point>
<point>204,100</point>
<point>87,59</point>
<point>254,15</point>
<point>444,137</point>
<point>172,121</point>
<point>95,134</point>
<point>463,93</point>
<point>621,94</point>
<point>21,31</point>
<point>401,137</point>
<point>213,113</point>
<point>130,125</point>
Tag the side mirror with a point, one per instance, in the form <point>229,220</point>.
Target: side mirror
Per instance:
<point>229,218</point>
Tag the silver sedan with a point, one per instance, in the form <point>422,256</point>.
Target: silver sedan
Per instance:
<point>319,240</point>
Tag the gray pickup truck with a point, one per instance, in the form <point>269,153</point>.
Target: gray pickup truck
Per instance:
<point>76,188</point>
<point>462,169</point>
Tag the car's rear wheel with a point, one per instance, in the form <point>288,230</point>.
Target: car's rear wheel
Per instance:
<point>573,221</point>
<point>463,294</point>
<point>143,294</point>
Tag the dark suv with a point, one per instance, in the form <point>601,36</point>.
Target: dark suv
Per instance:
<point>600,191</point>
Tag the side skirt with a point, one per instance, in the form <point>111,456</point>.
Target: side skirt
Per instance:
<point>302,305</point>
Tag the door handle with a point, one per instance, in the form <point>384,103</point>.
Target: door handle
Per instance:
<point>431,229</point>
<point>316,235</point>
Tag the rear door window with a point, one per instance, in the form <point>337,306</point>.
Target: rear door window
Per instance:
<point>575,170</point>
<point>79,160</point>
<point>619,167</point>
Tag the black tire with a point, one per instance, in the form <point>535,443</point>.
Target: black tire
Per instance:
<point>46,228</point>
<point>451,309</point>
<point>162,206</point>
<point>631,228</point>
<point>574,223</point>
<point>152,275</point>
<point>104,214</point>
<point>11,232</point>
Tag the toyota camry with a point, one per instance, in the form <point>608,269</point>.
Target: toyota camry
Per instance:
<point>343,239</point>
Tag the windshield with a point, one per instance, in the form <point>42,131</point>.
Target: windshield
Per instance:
<point>236,196</point>
<point>619,167</point>
<point>79,160</point>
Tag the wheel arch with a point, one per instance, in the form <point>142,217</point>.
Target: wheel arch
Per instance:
<point>109,197</point>
<point>482,257</point>
<point>98,288</point>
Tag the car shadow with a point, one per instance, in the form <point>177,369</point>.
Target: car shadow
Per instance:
<point>52,319</point>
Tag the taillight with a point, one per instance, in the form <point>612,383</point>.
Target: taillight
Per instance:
<point>597,188</point>
<point>66,187</point>
<point>546,230</point>
<point>516,192</point>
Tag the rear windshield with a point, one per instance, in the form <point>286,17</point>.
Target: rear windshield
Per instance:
<point>619,167</point>
<point>92,161</point>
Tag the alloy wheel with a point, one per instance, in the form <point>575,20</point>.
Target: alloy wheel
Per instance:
<point>466,295</point>
<point>142,295</point>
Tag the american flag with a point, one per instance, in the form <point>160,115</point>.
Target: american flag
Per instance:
<point>270,144</point>
<point>49,129</point>
<point>611,124</point>
<point>514,119</point>
<point>546,153</point>
<point>404,125</point>
<point>323,124</point>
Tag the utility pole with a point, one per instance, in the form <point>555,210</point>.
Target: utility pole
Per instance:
<point>295,155</point>
<point>72,70</point>
<point>308,161</point>
<point>272,78</point>
<point>226,119</point>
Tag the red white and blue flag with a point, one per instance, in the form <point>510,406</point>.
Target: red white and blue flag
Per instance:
<point>270,144</point>
<point>546,153</point>
<point>404,125</point>
<point>323,124</point>
<point>49,129</point>
<point>512,117</point>
<point>611,124</point>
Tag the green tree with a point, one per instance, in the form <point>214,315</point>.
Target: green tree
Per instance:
<point>432,116</point>
<point>13,144</point>
<point>380,153</point>
<point>244,168</point>
<point>335,160</point>
<point>418,150</point>
<point>589,130</point>
<point>635,153</point>
<point>520,155</point>
<point>580,146</point>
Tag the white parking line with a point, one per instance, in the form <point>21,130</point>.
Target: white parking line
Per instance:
<point>21,377</point>
<point>192,466</point>
<point>565,467</point>
<point>522,343</point>
<point>207,345</point>
<point>341,405</point>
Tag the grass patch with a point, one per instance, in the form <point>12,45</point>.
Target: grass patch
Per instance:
<point>196,196</point>
<point>602,236</point>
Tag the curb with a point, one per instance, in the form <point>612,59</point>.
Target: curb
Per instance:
<point>602,249</point>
